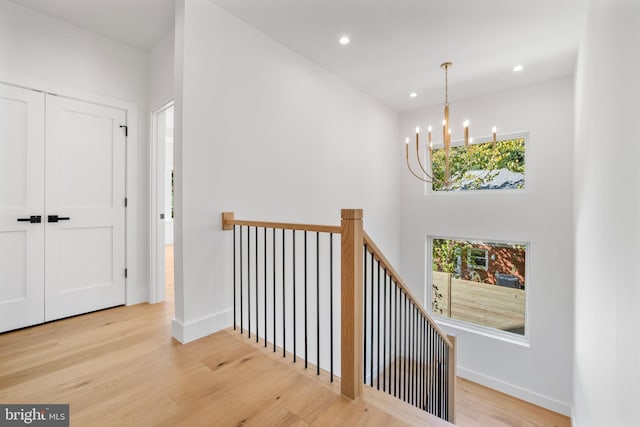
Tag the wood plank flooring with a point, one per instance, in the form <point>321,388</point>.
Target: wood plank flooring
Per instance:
<point>121,367</point>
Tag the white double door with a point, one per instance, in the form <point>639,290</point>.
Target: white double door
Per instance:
<point>62,214</point>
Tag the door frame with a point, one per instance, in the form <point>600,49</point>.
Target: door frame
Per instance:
<point>156,272</point>
<point>135,293</point>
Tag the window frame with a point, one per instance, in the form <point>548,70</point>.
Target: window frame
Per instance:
<point>477,329</point>
<point>428,187</point>
<point>475,265</point>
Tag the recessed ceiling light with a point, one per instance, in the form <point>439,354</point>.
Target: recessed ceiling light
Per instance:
<point>518,68</point>
<point>413,94</point>
<point>344,40</point>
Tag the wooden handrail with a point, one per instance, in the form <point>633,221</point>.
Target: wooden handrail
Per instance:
<point>377,253</point>
<point>353,239</point>
<point>228,221</point>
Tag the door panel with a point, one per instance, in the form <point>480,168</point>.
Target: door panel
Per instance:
<point>85,182</point>
<point>21,196</point>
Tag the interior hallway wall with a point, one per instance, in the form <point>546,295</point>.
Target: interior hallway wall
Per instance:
<point>265,133</point>
<point>606,365</point>
<point>540,215</point>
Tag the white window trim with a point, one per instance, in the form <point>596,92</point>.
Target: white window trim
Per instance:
<point>475,266</point>
<point>428,190</point>
<point>461,325</point>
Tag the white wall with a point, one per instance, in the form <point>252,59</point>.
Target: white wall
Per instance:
<point>607,208</point>
<point>38,51</point>
<point>161,79</point>
<point>265,133</point>
<point>541,215</point>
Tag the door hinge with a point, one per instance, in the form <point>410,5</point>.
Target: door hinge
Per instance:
<point>126,130</point>
<point>126,272</point>
<point>126,202</point>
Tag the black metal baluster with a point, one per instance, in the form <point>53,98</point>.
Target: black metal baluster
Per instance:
<point>449,385</point>
<point>306,359</point>
<point>415,355</point>
<point>378,316</point>
<point>422,320</point>
<point>265,286</point>
<point>364,351</point>
<point>433,368</point>
<point>406,348</point>
<point>234,278</point>
<point>274,289</point>
<point>249,281</point>
<point>284,305</point>
<point>317,303</point>
<point>371,349</point>
<point>294,294</point>
<point>241,284</point>
<point>440,378</point>
<point>430,375</point>
<point>331,301</point>
<point>411,356</point>
<point>385,333</point>
<point>395,340</point>
<point>257,316</point>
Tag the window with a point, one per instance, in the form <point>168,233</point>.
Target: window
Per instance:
<point>482,166</point>
<point>477,258</point>
<point>480,283</point>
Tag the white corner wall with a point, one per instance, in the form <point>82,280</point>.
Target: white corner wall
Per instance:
<point>607,209</point>
<point>265,133</point>
<point>161,72</point>
<point>540,215</point>
<point>42,52</point>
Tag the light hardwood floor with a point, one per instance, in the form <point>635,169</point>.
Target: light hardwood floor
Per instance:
<point>121,367</point>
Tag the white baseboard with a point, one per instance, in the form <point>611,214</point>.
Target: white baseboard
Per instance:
<point>513,390</point>
<point>573,417</point>
<point>191,331</point>
<point>137,296</point>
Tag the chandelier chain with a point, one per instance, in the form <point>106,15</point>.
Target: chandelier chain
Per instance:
<point>446,85</point>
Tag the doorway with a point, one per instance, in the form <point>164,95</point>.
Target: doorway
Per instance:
<point>162,205</point>
<point>62,207</point>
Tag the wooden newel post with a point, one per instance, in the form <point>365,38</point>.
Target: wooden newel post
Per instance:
<point>352,236</point>
<point>451,398</point>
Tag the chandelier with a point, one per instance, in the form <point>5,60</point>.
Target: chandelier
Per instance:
<point>446,140</point>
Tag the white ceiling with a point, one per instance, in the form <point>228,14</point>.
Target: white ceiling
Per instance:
<point>139,23</point>
<point>397,45</point>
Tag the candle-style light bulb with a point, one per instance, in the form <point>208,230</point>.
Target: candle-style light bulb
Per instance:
<point>417,129</point>
<point>449,131</point>
<point>430,129</point>
<point>444,122</point>
<point>406,141</point>
<point>466,123</point>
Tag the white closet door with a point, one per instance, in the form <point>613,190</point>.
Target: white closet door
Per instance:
<point>85,189</point>
<point>21,196</point>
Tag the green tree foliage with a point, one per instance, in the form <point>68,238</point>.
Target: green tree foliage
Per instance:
<point>445,254</point>
<point>507,154</point>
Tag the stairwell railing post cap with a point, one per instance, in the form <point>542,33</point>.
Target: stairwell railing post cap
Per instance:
<point>352,214</point>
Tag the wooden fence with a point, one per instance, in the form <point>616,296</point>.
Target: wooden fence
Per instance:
<point>488,305</point>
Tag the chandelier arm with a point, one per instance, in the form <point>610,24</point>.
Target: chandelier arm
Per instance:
<point>412,172</point>
<point>421,166</point>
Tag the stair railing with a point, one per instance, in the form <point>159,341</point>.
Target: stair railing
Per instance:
<point>284,276</point>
